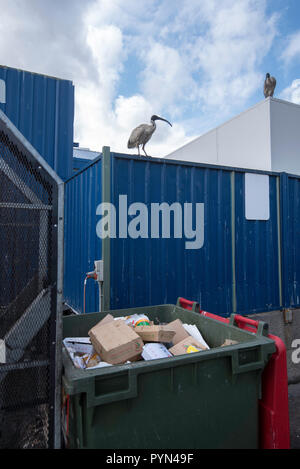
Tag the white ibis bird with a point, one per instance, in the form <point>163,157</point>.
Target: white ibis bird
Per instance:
<point>142,134</point>
<point>269,85</point>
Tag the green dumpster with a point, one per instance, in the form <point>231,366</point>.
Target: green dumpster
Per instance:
<point>207,399</point>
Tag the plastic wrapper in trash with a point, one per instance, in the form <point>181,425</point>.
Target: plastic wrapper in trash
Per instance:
<point>137,320</point>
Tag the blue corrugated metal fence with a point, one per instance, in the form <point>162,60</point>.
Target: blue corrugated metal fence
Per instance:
<point>244,266</point>
<point>257,260</point>
<point>290,203</point>
<point>42,109</point>
<point>155,271</point>
<point>82,246</point>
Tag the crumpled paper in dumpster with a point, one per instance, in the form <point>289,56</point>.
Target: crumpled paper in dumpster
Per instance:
<point>155,351</point>
<point>82,353</point>
<point>194,332</point>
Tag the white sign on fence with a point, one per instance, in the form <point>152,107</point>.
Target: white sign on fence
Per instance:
<point>257,196</point>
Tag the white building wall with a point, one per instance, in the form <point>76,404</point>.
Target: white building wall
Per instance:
<point>203,149</point>
<point>245,140</point>
<point>285,136</point>
<point>264,137</point>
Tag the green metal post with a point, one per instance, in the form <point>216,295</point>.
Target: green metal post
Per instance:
<point>106,198</point>
<point>279,238</point>
<point>234,301</point>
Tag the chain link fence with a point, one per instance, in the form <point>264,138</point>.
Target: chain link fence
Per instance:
<point>28,296</point>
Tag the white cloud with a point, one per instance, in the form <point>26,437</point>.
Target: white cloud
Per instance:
<point>292,50</point>
<point>213,64</point>
<point>45,37</point>
<point>197,61</point>
<point>131,111</point>
<point>166,78</point>
<point>292,92</point>
<point>238,37</point>
<point>114,126</point>
<point>102,116</point>
<point>94,117</point>
<point>106,44</point>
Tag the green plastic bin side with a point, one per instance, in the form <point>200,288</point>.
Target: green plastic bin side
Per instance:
<point>201,400</point>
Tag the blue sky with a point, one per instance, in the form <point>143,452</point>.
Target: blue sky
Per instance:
<point>195,62</point>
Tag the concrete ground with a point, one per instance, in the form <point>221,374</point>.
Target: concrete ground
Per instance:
<point>287,327</point>
<point>294,407</point>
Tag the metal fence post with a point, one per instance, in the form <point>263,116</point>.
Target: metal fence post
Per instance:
<point>284,221</point>
<point>59,335</point>
<point>106,198</point>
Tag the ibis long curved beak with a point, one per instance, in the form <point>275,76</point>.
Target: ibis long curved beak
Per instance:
<point>162,119</point>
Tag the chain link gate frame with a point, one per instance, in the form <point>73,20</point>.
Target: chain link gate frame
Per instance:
<point>31,283</point>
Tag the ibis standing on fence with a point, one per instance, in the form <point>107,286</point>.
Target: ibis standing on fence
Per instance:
<point>142,134</point>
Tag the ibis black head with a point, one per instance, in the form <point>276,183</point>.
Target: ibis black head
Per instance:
<point>155,118</point>
<point>267,75</point>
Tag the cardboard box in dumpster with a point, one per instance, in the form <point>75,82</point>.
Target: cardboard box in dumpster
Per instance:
<point>187,345</point>
<point>108,318</point>
<point>116,342</point>
<point>153,333</point>
<point>180,332</point>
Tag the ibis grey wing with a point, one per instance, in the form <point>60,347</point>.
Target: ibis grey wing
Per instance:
<point>140,135</point>
<point>135,136</point>
<point>265,89</point>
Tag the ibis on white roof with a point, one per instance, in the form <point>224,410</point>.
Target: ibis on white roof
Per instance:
<point>269,86</point>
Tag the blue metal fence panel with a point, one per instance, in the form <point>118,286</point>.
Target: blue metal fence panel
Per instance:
<point>79,164</point>
<point>82,246</point>
<point>157,271</point>
<point>257,261</point>
<point>241,267</point>
<point>42,108</point>
<point>293,241</point>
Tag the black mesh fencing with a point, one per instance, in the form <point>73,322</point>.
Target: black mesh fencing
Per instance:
<point>28,299</point>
